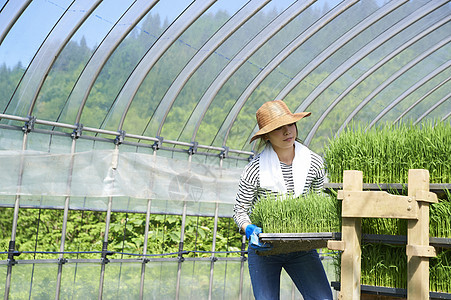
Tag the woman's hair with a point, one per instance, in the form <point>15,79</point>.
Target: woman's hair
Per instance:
<point>262,143</point>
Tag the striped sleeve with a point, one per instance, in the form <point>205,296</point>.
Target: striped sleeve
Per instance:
<point>316,175</point>
<point>247,193</point>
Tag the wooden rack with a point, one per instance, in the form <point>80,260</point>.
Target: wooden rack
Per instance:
<point>414,207</point>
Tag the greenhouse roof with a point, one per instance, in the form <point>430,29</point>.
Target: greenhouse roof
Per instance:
<point>195,72</point>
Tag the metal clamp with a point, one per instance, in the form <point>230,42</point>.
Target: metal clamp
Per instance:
<point>120,138</point>
<point>224,153</point>
<point>77,131</point>
<point>12,253</point>
<point>243,258</point>
<point>29,125</point>
<point>181,253</point>
<point>157,145</point>
<point>251,157</point>
<point>193,149</point>
<point>105,253</point>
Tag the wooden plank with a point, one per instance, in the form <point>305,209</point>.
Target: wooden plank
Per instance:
<point>418,235</point>
<point>336,245</point>
<point>423,251</point>
<point>378,204</point>
<point>351,237</point>
<point>426,196</point>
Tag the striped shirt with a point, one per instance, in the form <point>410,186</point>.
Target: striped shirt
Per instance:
<point>249,190</point>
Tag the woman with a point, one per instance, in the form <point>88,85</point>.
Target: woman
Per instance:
<point>284,166</point>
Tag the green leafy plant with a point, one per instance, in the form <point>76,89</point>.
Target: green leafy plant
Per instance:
<point>40,230</point>
<point>310,213</point>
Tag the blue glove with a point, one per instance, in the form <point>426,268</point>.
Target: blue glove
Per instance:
<point>252,232</point>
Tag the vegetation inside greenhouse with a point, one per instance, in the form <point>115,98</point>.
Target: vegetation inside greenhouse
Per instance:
<point>39,231</point>
<point>385,265</point>
<point>386,153</point>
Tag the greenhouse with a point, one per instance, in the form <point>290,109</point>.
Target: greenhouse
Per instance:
<point>125,127</point>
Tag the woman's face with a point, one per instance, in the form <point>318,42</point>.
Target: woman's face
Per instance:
<point>283,137</point>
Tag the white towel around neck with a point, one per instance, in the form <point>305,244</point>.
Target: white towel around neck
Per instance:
<point>271,177</point>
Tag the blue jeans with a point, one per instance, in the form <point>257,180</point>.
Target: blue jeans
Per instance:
<point>305,269</point>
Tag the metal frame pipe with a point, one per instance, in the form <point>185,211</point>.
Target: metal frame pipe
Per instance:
<point>180,256</point>
<point>145,260</point>
<point>104,259</point>
<point>213,248</point>
<point>116,133</point>
<point>12,243</point>
<point>61,259</point>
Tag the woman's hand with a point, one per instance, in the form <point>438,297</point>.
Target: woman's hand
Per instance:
<point>252,232</point>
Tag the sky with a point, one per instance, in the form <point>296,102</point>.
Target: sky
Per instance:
<point>26,36</point>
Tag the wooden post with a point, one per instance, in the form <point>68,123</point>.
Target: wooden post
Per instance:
<point>418,239</point>
<point>351,237</point>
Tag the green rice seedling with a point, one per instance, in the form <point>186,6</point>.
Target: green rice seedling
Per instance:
<point>381,265</point>
<point>310,213</point>
<point>440,272</point>
<point>384,265</point>
<point>440,218</point>
<point>385,153</point>
<point>384,226</point>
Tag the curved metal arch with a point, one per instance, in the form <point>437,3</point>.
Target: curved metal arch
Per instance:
<point>421,99</point>
<point>371,71</point>
<point>446,116</point>
<point>9,15</point>
<point>392,78</point>
<point>52,46</point>
<point>332,48</point>
<point>409,91</point>
<point>363,52</point>
<point>337,45</point>
<point>250,48</point>
<point>41,55</point>
<point>136,78</point>
<point>287,51</point>
<point>231,26</point>
<point>106,48</point>
<point>432,108</point>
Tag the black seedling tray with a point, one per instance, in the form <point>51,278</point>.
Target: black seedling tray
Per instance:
<point>292,242</point>
<point>438,188</point>
<point>388,291</point>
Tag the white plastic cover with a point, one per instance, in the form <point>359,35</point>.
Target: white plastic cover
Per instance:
<point>105,173</point>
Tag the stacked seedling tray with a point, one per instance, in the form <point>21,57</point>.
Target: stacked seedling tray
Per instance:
<point>385,155</point>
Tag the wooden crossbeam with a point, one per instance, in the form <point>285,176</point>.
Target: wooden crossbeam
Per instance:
<point>377,204</point>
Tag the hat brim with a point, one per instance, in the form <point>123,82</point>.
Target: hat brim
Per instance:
<point>279,122</point>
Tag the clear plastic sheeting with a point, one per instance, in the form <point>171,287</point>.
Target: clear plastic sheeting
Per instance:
<point>122,280</point>
<point>110,173</point>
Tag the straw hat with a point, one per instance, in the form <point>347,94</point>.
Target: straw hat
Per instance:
<point>274,114</point>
